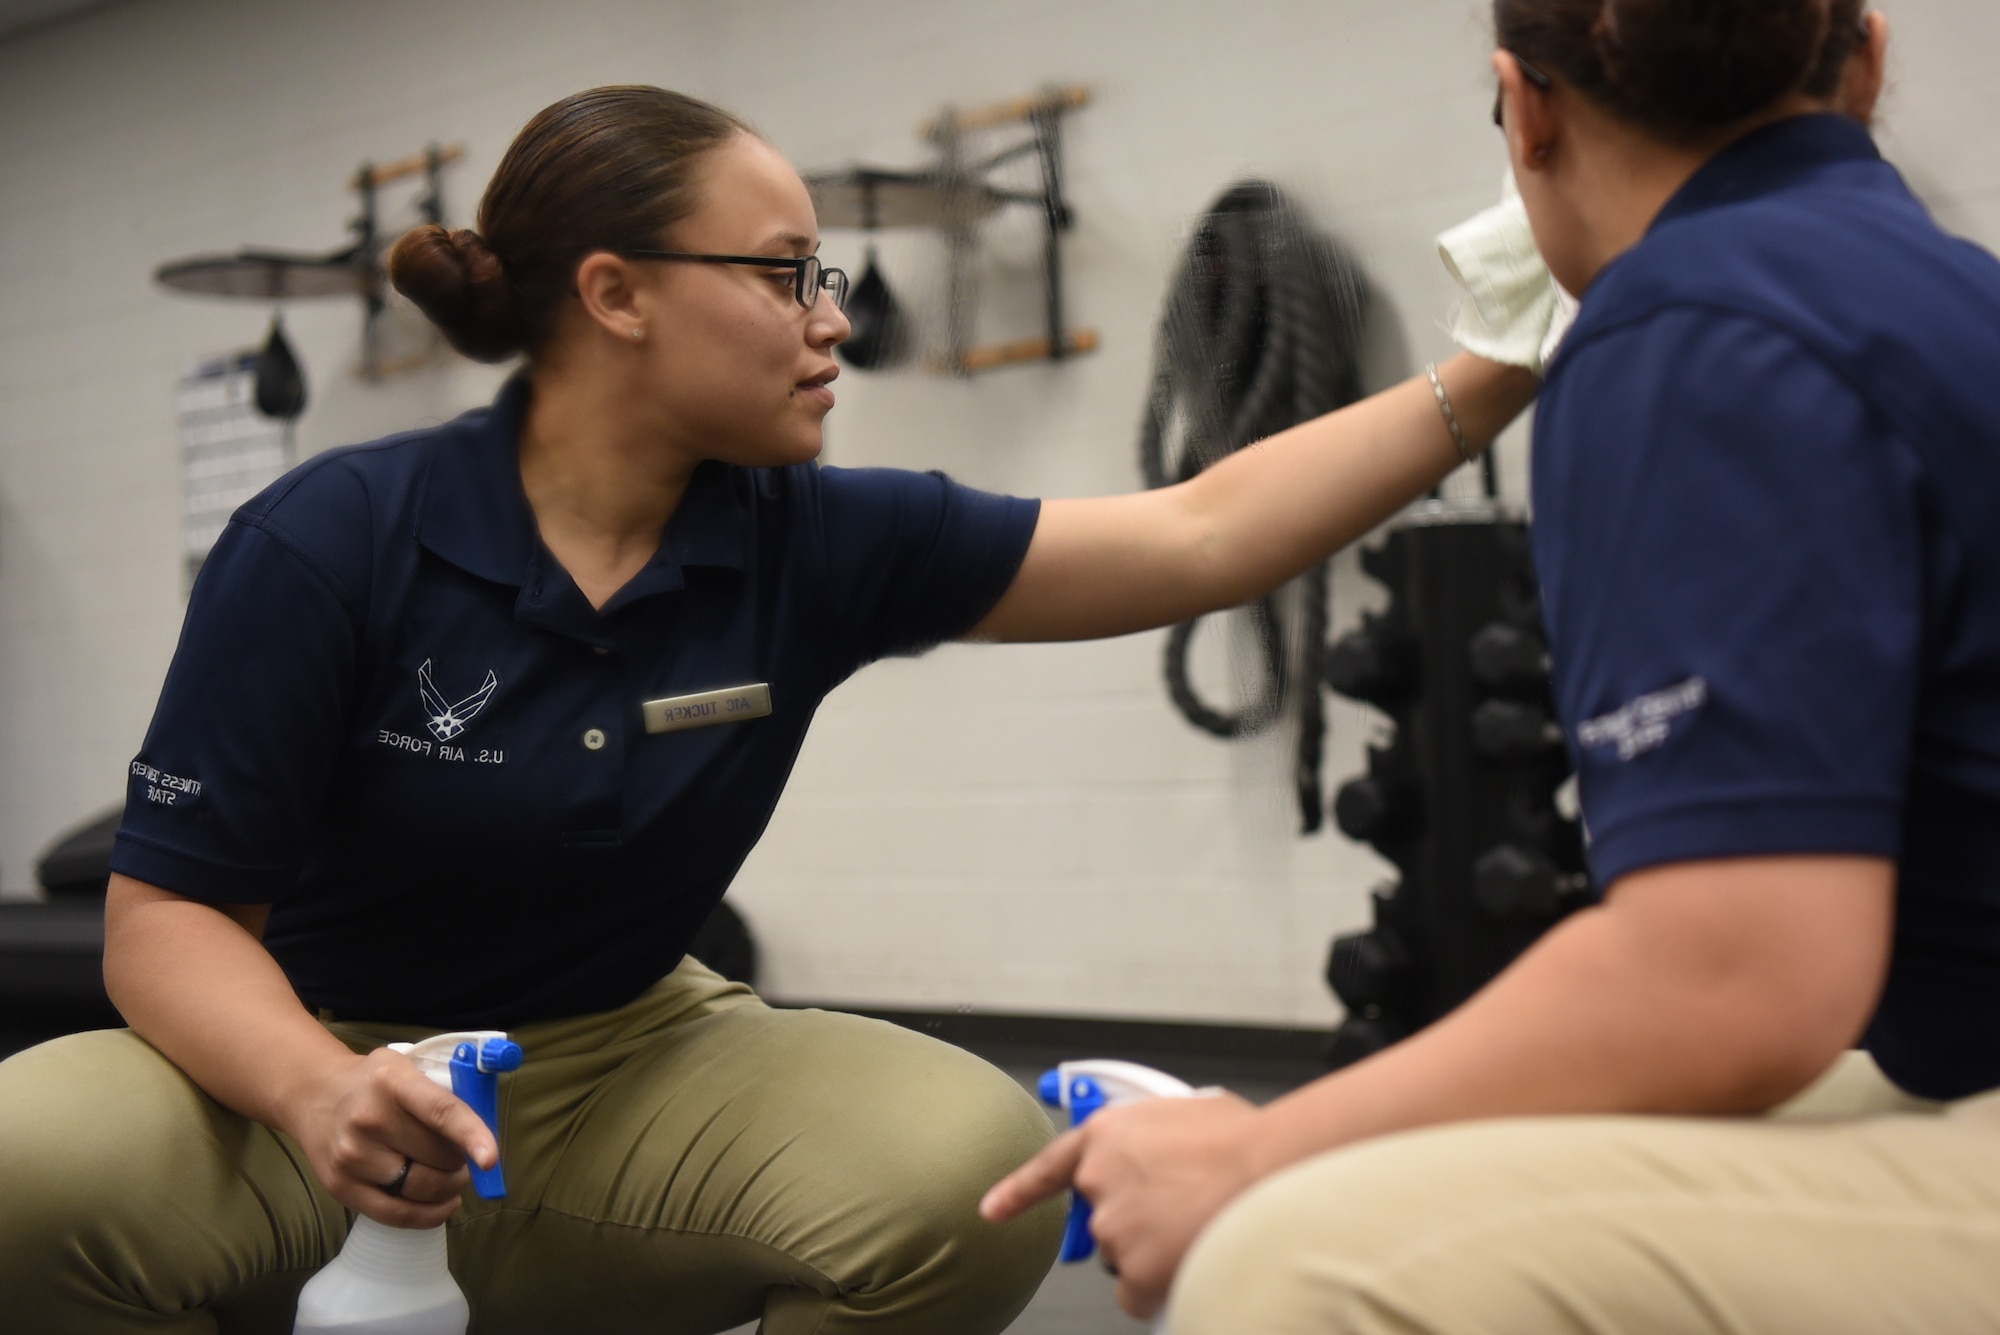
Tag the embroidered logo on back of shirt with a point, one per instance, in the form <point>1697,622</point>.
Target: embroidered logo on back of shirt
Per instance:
<point>448,720</point>
<point>1644,724</point>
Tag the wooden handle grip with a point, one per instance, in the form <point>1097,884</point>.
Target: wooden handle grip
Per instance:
<point>1004,113</point>
<point>383,173</point>
<point>992,355</point>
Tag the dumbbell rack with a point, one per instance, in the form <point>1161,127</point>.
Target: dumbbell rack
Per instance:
<point>1462,799</point>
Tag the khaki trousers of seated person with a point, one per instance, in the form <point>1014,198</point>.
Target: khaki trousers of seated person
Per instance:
<point>688,1163</point>
<point>1854,1210</point>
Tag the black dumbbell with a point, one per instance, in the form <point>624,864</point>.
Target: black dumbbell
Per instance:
<point>1371,968</point>
<point>1517,884</point>
<point>1372,664</point>
<point>1509,730</point>
<point>1508,660</point>
<point>1374,808</point>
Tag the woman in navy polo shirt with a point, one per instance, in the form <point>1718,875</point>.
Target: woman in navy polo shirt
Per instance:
<point>472,727</point>
<point>1767,503</point>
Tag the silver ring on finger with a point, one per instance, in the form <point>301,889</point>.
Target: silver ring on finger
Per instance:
<point>394,1186</point>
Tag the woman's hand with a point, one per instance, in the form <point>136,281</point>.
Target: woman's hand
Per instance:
<point>195,981</point>
<point>1155,1173</point>
<point>1718,987</point>
<point>367,1116</point>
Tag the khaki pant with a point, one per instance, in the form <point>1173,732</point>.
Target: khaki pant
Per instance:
<point>1856,1210</point>
<point>689,1163</point>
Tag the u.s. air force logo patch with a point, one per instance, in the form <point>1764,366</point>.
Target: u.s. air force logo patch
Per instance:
<point>448,720</point>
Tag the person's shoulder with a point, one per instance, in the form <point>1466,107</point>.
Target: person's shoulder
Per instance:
<point>1719,261</point>
<point>773,484</point>
<point>820,498</point>
<point>769,498</point>
<point>340,475</point>
<point>876,481</point>
<point>811,487</point>
<point>1854,279</point>
<point>1819,260</point>
<point>333,509</point>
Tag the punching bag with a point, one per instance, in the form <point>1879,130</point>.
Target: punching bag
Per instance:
<point>281,381</point>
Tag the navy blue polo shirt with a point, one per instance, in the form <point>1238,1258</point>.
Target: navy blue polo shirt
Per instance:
<point>394,717</point>
<point>1767,499</point>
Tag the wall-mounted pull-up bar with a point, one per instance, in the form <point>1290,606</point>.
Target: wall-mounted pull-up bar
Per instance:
<point>953,196</point>
<point>381,174</point>
<point>355,269</point>
<point>1011,112</point>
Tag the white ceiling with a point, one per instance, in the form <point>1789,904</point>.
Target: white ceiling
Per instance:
<point>16,15</point>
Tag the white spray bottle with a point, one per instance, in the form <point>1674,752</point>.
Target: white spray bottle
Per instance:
<point>396,1281</point>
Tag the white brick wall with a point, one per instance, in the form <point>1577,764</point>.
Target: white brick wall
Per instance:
<point>1019,827</point>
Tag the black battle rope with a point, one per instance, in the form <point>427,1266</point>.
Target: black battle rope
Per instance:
<point>1262,331</point>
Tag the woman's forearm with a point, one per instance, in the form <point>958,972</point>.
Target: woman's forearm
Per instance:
<point>1289,502</point>
<point>1114,565</point>
<point>1709,988</point>
<point>198,985</point>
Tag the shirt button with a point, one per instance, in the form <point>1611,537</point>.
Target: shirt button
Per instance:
<point>600,649</point>
<point>594,739</point>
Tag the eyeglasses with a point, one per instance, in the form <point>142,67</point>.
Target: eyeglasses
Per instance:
<point>809,276</point>
<point>1528,72</point>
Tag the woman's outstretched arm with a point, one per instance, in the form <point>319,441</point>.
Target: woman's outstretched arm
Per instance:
<point>1117,564</point>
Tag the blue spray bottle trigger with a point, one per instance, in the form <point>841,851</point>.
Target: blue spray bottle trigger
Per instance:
<point>475,1078</point>
<point>1085,1087</point>
<point>1084,1097</point>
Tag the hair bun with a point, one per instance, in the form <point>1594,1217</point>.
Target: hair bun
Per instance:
<point>1691,66</point>
<point>457,280</point>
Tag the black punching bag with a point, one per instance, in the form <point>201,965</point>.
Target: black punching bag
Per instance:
<point>881,333</point>
<point>281,381</point>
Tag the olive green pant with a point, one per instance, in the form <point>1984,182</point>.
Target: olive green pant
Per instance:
<point>689,1163</point>
<point>1856,1210</point>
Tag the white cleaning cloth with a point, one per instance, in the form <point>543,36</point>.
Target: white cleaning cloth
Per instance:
<point>1514,311</point>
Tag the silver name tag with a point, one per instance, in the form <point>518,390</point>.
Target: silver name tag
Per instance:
<point>732,704</point>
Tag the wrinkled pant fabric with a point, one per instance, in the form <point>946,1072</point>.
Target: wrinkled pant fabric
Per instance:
<point>1854,1210</point>
<point>688,1163</point>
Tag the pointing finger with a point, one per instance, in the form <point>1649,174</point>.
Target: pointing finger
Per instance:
<point>1036,1180</point>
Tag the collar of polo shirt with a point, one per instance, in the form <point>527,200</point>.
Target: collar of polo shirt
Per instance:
<point>475,515</point>
<point>1768,158</point>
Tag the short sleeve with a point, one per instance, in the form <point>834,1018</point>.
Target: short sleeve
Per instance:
<point>914,559</point>
<point>229,785</point>
<point>1731,555</point>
